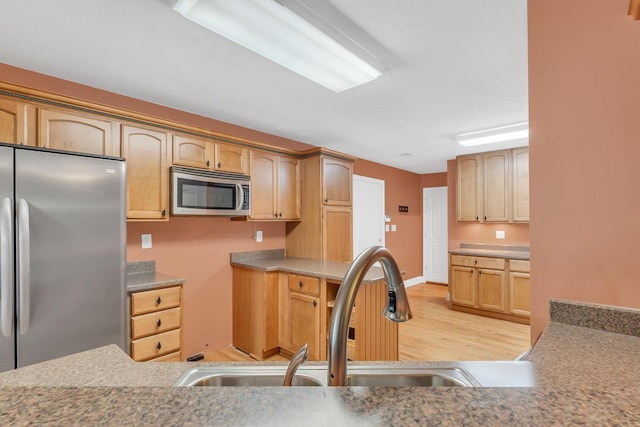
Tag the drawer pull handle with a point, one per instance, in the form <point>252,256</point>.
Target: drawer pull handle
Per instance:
<point>300,283</point>
<point>159,346</point>
<point>158,323</point>
<point>158,301</point>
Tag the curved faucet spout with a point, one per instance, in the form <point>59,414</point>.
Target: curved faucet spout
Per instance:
<point>397,308</point>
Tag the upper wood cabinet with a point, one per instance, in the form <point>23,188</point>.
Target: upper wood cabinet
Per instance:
<point>82,133</point>
<point>146,152</point>
<point>520,185</point>
<point>493,186</point>
<point>231,158</point>
<point>469,189</point>
<point>337,176</point>
<point>275,193</point>
<point>206,154</point>
<point>15,128</point>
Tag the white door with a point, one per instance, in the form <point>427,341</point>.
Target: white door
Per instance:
<point>368,213</point>
<point>435,240</point>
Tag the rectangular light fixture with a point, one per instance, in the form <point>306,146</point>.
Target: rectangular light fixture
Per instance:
<point>275,32</point>
<point>498,134</point>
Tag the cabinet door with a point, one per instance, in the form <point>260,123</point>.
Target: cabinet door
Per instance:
<point>491,290</point>
<point>304,323</point>
<point>469,188</point>
<point>192,152</point>
<point>62,130</point>
<point>13,122</point>
<point>520,182</point>
<point>495,189</point>
<point>463,285</point>
<point>336,182</point>
<point>520,294</point>
<point>337,243</point>
<point>147,173</point>
<point>288,202</point>
<point>263,185</point>
<point>231,158</point>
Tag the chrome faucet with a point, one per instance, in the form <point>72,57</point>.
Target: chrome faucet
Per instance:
<point>298,359</point>
<point>397,308</point>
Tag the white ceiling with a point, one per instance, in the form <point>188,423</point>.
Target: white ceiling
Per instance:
<point>459,65</point>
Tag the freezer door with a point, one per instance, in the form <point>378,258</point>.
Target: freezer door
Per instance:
<point>7,337</point>
<point>71,235</point>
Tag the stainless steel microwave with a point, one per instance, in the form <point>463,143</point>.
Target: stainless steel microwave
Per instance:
<point>199,192</point>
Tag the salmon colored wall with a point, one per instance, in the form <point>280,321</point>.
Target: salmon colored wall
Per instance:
<point>400,188</point>
<point>433,180</point>
<point>584,110</point>
<point>33,80</point>
<point>462,232</point>
<point>198,249</point>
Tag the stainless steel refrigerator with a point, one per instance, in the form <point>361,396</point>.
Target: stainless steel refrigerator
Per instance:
<point>62,254</point>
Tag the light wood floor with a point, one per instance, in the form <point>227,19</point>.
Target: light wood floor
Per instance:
<point>438,333</point>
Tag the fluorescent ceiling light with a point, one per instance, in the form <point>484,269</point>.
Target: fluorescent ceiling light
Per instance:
<point>499,134</point>
<point>275,32</point>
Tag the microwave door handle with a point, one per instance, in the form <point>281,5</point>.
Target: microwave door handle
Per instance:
<point>239,196</point>
<point>6,267</point>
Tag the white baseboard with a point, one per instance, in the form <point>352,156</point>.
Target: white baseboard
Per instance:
<point>413,281</point>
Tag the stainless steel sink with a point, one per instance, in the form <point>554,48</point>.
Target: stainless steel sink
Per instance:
<point>368,376</point>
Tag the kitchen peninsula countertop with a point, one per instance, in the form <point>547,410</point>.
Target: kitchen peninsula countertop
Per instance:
<point>495,251</point>
<point>585,376</point>
<point>275,260</point>
<point>142,276</point>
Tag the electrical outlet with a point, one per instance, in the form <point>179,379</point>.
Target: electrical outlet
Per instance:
<point>259,236</point>
<point>146,241</point>
<point>393,227</point>
<point>500,234</point>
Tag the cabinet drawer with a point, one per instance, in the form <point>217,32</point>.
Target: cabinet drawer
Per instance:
<point>519,265</point>
<point>155,323</point>
<point>157,299</point>
<point>171,357</point>
<point>298,283</point>
<point>480,262</point>
<point>155,345</point>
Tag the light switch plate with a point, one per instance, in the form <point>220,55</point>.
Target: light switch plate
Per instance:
<point>393,227</point>
<point>386,227</point>
<point>259,236</point>
<point>146,241</point>
<point>500,234</point>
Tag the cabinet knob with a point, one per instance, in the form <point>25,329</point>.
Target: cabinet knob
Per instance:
<point>315,303</point>
<point>158,301</point>
<point>477,218</point>
<point>280,214</point>
<point>158,323</point>
<point>208,163</point>
<point>327,200</point>
<point>475,261</point>
<point>300,283</point>
<point>219,165</point>
<point>164,212</point>
<point>159,346</point>
<point>485,218</point>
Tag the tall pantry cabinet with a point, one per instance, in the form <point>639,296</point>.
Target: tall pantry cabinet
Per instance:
<point>325,232</point>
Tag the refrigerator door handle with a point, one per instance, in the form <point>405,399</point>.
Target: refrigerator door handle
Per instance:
<point>24,267</point>
<point>6,267</point>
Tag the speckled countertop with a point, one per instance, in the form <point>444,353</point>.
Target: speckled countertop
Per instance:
<point>496,251</point>
<point>275,260</point>
<point>142,276</point>
<point>584,376</point>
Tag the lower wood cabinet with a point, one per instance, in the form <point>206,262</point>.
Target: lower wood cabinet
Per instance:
<point>255,312</point>
<point>156,324</point>
<point>302,318</point>
<point>489,286</point>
